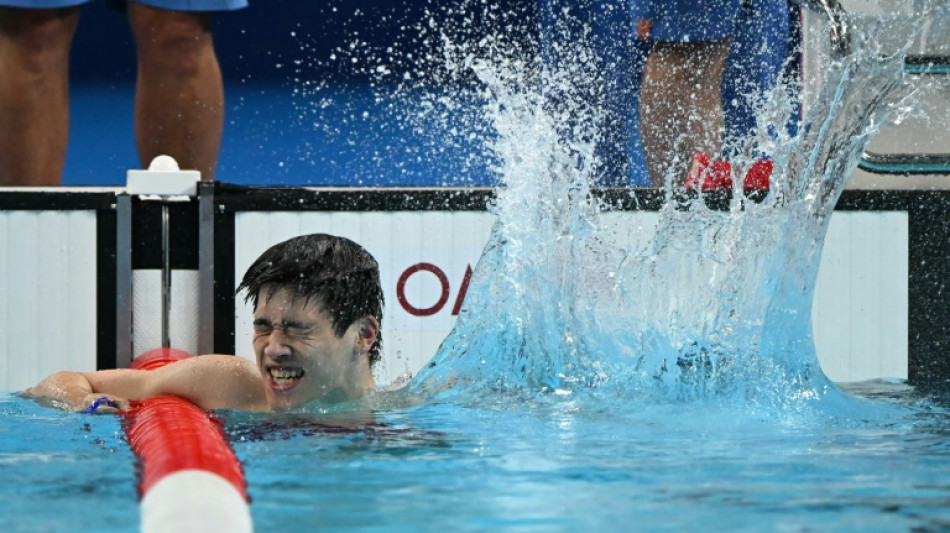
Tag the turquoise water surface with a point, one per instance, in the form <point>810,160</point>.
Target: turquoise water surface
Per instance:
<point>546,466</point>
<point>587,386</point>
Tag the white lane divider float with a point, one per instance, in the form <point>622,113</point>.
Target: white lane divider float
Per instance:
<point>190,478</point>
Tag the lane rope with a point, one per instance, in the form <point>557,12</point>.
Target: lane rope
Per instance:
<point>190,478</point>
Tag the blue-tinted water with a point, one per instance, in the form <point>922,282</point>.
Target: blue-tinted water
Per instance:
<point>588,385</point>
<point>547,466</point>
<point>557,469</point>
<point>64,472</point>
<point>717,307</point>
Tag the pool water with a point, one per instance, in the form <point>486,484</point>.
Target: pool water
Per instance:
<point>64,472</point>
<point>545,465</point>
<point>587,386</point>
<point>559,466</point>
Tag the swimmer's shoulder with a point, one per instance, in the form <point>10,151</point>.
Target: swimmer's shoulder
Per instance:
<point>229,382</point>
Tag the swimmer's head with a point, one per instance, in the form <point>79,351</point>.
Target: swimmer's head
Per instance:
<point>334,271</point>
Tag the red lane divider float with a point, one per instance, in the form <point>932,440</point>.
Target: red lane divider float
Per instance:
<point>191,481</point>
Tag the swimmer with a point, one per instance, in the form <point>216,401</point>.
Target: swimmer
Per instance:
<point>318,304</point>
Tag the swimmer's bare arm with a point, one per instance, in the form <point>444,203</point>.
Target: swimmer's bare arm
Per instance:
<point>209,381</point>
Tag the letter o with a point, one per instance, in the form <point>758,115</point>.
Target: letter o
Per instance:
<point>401,289</point>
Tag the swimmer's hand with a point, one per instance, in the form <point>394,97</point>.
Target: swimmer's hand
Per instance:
<point>99,404</point>
<point>71,391</point>
<point>211,382</point>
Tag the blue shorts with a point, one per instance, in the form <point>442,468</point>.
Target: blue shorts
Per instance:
<point>174,5</point>
<point>699,20</point>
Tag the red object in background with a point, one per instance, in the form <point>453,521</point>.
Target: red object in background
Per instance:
<point>710,175</point>
<point>759,175</point>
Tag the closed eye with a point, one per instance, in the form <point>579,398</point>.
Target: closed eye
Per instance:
<point>291,328</point>
<point>295,329</point>
<point>262,326</point>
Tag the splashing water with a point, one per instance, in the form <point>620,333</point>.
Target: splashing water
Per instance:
<point>716,307</point>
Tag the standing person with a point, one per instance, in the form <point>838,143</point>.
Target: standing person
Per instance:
<point>693,43</point>
<point>179,100</point>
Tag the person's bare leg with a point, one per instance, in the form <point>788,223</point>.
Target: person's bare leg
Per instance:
<point>681,106</point>
<point>34,94</point>
<point>179,99</point>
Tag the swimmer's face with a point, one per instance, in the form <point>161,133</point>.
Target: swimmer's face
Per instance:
<point>300,356</point>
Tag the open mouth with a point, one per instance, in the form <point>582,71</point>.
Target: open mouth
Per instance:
<point>283,379</point>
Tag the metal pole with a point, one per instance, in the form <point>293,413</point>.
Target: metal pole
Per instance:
<point>123,281</point>
<point>166,278</point>
<point>206,274</point>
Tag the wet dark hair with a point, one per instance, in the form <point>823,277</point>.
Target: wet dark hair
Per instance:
<point>341,275</point>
